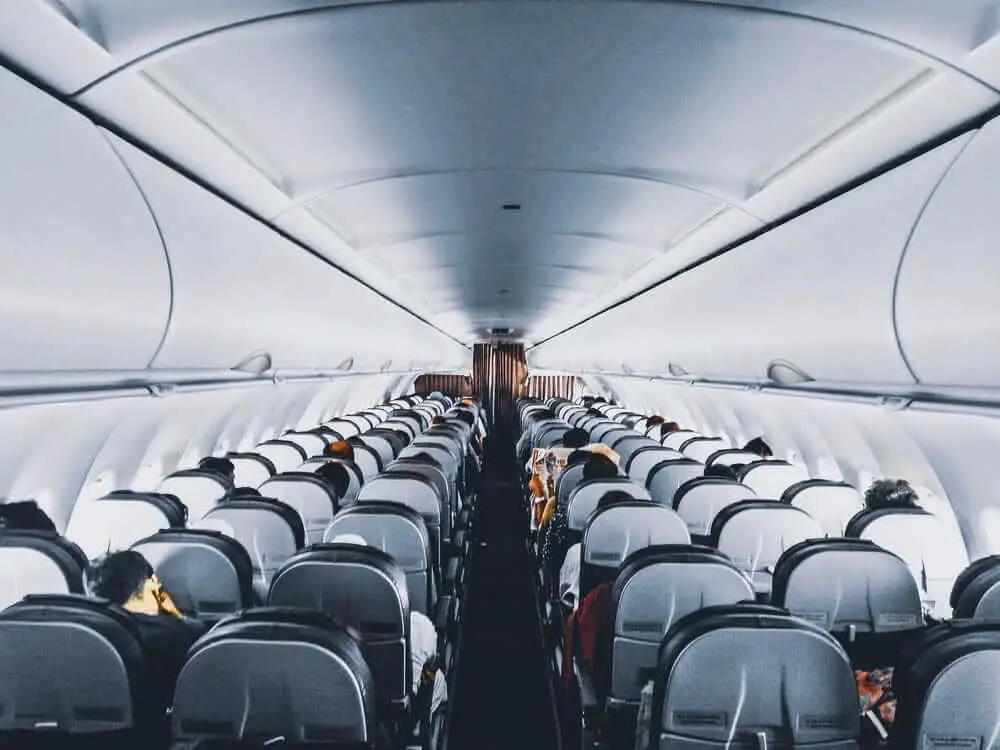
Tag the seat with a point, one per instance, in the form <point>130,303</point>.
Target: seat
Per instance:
<point>699,500</point>
<point>368,460</point>
<point>626,445</point>
<point>674,440</point>
<point>776,681</point>
<point>38,562</point>
<point>584,499</point>
<point>198,489</point>
<point>643,459</point>
<point>854,589</point>
<point>252,469</point>
<point>731,457</point>
<point>312,497</point>
<point>311,443</point>
<point>701,447</point>
<point>755,533</point>
<point>934,551</point>
<point>654,588</point>
<point>284,455</point>
<point>270,531</point>
<point>357,479</point>
<point>118,520</point>
<point>380,444</point>
<point>73,675</point>
<point>615,532</point>
<point>209,575</point>
<point>976,593</point>
<point>946,688</point>
<point>770,478</point>
<point>666,478</point>
<point>276,675</point>
<point>434,475</point>
<point>364,588</point>
<point>832,504</point>
<point>399,531</point>
<point>567,481</point>
<point>344,427</point>
<point>414,491</point>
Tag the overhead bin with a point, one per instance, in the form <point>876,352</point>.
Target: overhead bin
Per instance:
<point>239,287</point>
<point>817,291</point>
<point>84,282</point>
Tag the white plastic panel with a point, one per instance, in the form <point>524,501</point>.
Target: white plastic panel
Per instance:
<point>239,288</point>
<point>84,281</point>
<point>949,283</point>
<point>816,291</point>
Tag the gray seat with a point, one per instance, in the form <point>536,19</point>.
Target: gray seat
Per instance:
<point>208,574</point>
<point>583,501</point>
<point>567,481</point>
<point>381,445</point>
<point>284,455</point>
<point>771,478</point>
<point>642,460</point>
<point>700,448</point>
<point>436,476</point>
<point>848,587</point>
<point>629,444</point>
<point>345,427</point>
<point>414,491</point>
<point>276,673</point>
<point>251,469</point>
<point>731,457</point>
<point>313,499</point>
<point>755,533</point>
<point>199,490</point>
<point>774,679</point>
<point>310,442</point>
<point>116,521</point>
<point>38,562</point>
<point>615,532</point>
<point>368,460</point>
<point>655,588</point>
<point>399,531</point>
<point>364,588</point>
<point>674,440</point>
<point>666,478</point>
<point>832,504</point>
<point>699,500</point>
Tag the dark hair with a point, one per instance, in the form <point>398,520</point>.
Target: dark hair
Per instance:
<point>575,438</point>
<point>25,514</point>
<point>655,420</point>
<point>890,493</point>
<point>578,456</point>
<point>720,470</point>
<point>668,427</point>
<point>439,419</point>
<point>336,475</point>
<point>340,449</point>
<point>758,446</point>
<point>118,576</point>
<point>599,466</point>
<point>238,492</point>
<point>466,417</point>
<point>218,465</point>
<point>612,497</point>
<point>544,414</point>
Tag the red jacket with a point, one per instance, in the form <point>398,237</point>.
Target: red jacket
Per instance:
<point>584,629</point>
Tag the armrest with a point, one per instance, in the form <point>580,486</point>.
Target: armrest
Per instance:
<point>450,576</point>
<point>442,613</point>
<point>589,708</point>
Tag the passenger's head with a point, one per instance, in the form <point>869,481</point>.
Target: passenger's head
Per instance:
<point>218,465</point>
<point>654,420</point>
<point>25,515</point>
<point>890,493</point>
<point>243,492</point>
<point>438,419</point>
<point>336,475</point>
<point>612,498</point>
<point>575,438</point>
<point>466,417</point>
<point>758,446</point>
<point>720,470</point>
<point>125,578</point>
<point>340,449</point>
<point>599,467</point>
<point>578,457</point>
<point>668,427</point>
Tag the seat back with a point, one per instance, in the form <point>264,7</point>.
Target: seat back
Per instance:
<point>698,501</point>
<point>252,469</point>
<point>310,442</point>
<point>583,500</point>
<point>413,491</point>
<point>770,478</point>
<point>381,445</point>
<point>209,575</point>
<point>315,501</point>
<point>116,521</point>
<point>755,533</point>
<point>284,455</point>
<point>364,588</point>
<point>567,481</point>
<point>643,459</point>
<point>701,447</point>
<point>71,665</point>
<point>977,594</point>
<point>666,478</point>
<point>655,588</point>
<point>832,504</point>
<point>627,444</point>
<point>400,532</point>
<point>38,562</point>
<point>266,529</point>
<point>368,460</point>
<point>674,440</point>
<point>276,673</point>
<point>776,681</point>
<point>353,472</point>
<point>731,457</point>
<point>934,551</point>
<point>344,427</point>
<point>615,532</point>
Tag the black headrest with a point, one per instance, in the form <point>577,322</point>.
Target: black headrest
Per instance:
<point>967,576</point>
<point>175,511</point>
<point>863,519</point>
<point>289,444</point>
<point>262,460</point>
<point>287,512</point>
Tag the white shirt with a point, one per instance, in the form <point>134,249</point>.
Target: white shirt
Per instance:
<point>423,646</point>
<point>569,577</point>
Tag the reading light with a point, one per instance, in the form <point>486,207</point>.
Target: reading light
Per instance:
<point>254,364</point>
<point>677,371</point>
<point>784,372</point>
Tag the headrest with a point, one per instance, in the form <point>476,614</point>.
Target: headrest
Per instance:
<point>700,448</point>
<point>97,650</point>
<point>731,457</point>
<point>771,477</point>
<point>979,595</point>
<point>273,673</point>
<point>268,505</point>
<point>831,503</point>
<point>587,494</point>
<point>967,576</point>
<point>614,533</point>
<point>407,487</point>
<point>664,479</point>
<point>698,501</point>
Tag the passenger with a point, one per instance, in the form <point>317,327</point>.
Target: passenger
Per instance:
<point>758,446</point>
<point>423,647</point>
<point>575,457</point>
<point>438,420</point>
<point>588,630</point>
<point>547,464</point>
<point>654,420</point>
<point>25,515</point>
<point>569,573</point>
<point>335,474</point>
<point>721,471</point>
<point>891,493</point>
<point>667,427</point>
<point>126,578</point>
<point>238,493</point>
<point>221,466</point>
<point>339,449</point>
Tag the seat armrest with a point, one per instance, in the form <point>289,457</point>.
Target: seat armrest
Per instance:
<point>589,708</point>
<point>442,613</point>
